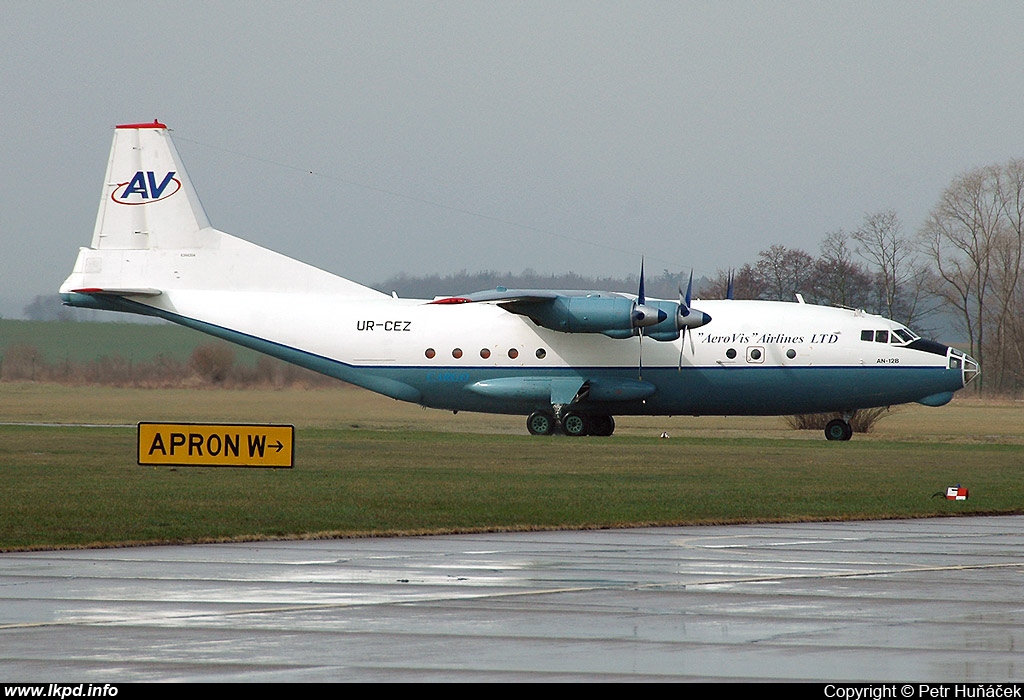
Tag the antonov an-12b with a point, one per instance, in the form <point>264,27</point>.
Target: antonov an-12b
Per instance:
<point>569,360</point>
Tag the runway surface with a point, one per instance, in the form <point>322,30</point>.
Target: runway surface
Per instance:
<point>938,600</point>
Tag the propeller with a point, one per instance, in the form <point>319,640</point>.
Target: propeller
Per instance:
<point>730,290</point>
<point>688,318</point>
<point>643,316</point>
<point>639,315</point>
<point>646,319</point>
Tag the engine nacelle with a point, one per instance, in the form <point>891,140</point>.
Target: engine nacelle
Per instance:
<point>614,316</point>
<point>666,330</point>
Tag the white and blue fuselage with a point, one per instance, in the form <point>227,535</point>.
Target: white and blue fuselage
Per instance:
<point>154,253</point>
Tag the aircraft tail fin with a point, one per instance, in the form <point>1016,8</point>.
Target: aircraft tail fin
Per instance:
<point>152,236</point>
<point>148,200</point>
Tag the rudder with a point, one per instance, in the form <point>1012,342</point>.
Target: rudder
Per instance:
<point>148,201</point>
<point>152,238</point>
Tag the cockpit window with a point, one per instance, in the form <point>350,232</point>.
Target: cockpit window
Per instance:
<point>896,336</point>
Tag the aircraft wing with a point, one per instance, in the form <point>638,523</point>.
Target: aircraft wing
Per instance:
<point>509,298</point>
<point>613,314</point>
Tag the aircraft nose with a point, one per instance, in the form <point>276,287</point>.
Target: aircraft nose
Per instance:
<point>971,369</point>
<point>962,361</point>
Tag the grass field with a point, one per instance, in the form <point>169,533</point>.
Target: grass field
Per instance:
<point>78,341</point>
<point>370,465</point>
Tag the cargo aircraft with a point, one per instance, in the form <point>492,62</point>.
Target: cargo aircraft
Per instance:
<point>569,360</point>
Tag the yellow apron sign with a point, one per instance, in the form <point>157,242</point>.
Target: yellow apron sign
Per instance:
<point>216,445</point>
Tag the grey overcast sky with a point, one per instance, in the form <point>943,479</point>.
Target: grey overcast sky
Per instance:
<point>558,136</point>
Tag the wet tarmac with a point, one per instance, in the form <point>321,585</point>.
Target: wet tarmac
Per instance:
<point>936,600</point>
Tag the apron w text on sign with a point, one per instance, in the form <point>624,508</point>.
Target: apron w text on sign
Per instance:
<point>216,445</point>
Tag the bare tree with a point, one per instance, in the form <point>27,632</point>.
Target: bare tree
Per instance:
<point>746,284</point>
<point>839,280</point>
<point>973,237</point>
<point>782,272</point>
<point>779,274</point>
<point>717,287</point>
<point>900,275</point>
<point>1007,250</point>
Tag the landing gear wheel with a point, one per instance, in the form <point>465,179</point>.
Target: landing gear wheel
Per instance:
<point>574,424</point>
<point>602,426</point>
<point>540,423</point>
<point>838,430</point>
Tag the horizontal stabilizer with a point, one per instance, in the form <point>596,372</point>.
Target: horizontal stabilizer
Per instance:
<point>137,292</point>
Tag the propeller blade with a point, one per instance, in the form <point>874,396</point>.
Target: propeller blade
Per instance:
<point>640,319</point>
<point>689,318</point>
<point>684,300</point>
<point>729,289</point>
<point>640,356</point>
<point>641,298</point>
<point>682,344</point>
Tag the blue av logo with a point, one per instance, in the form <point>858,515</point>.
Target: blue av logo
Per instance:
<point>145,187</point>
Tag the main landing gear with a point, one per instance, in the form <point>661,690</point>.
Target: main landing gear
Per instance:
<point>838,429</point>
<point>578,424</point>
<point>572,424</point>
